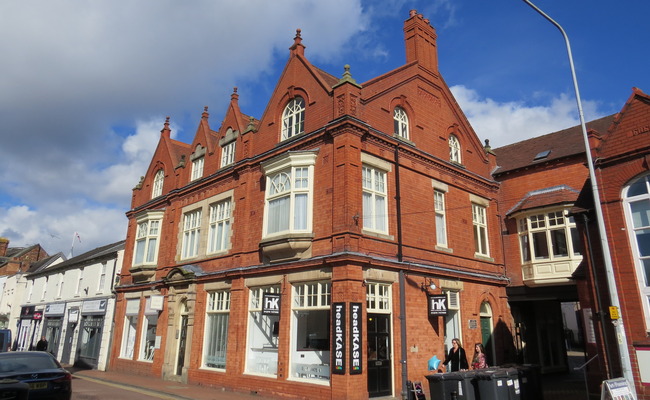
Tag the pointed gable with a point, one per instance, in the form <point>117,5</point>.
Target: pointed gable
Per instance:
<point>629,133</point>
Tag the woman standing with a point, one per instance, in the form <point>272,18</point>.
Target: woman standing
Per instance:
<point>456,357</point>
<point>479,360</point>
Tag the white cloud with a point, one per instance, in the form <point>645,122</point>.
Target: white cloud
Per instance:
<point>511,122</point>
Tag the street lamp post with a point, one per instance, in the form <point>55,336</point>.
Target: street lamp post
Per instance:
<point>609,271</point>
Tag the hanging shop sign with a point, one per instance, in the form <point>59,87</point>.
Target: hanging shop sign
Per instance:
<point>73,315</point>
<point>437,305</point>
<point>271,304</point>
<point>355,339</point>
<point>27,312</point>
<point>338,333</point>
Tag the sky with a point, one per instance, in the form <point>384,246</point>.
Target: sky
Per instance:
<point>85,86</point>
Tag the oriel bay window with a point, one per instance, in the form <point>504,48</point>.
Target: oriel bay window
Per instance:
<point>288,209</point>
<point>146,239</point>
<point>548,236</point>
<point>263,331</point>
<point>216,329</point>
<point>310,347</point>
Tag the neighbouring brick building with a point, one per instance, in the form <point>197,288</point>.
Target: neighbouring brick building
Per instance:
<point>621,157</point>
<point>541,179</point>
<point>308,254</point>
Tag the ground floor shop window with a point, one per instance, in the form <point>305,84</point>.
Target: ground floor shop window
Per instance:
<point>148,335</point>
<point>452,319</point>
<point>130,326</point>
<point>263,331</point>
<point>310,355</point>
<point>91,335</point>
<point>216,329</point>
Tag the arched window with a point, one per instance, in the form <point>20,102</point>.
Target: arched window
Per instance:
<point>454,149</point>
<point>158,181</point>
<point>636,198</point>
<point>293,118</point>
<point>400,123</point>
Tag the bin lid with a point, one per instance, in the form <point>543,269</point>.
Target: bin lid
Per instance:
<point>489,374</point>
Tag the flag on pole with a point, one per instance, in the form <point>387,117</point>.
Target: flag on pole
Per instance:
<point>75,236</point>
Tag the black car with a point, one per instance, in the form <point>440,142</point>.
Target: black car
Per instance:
<point>46,378</point>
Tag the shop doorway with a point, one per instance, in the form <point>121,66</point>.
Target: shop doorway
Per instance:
<point>379,355</point>
<point>182,340</point>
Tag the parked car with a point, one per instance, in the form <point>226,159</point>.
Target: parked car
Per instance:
<point>46,378</point>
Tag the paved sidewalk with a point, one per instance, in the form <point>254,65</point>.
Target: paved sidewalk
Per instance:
<point>161,388</point>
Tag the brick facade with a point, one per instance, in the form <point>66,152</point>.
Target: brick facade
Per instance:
<point>348,127</point>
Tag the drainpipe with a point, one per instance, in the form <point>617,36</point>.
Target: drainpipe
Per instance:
<point>402,284</point>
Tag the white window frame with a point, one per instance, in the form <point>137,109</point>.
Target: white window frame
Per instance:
<point>293,118</point>
<point>148,333</point>
<point>310,316</point>
<point>59,288</point>
<point>147,238</point>
<point>191,233</point>
<point>228,154</point>
<point>197,168</point>
<point>400,123</point>
<point>454,149</point>
<point>637,221</point>
<point>539,227</point>
<point>290,179</point>
<point>80,282</point>
<point>440,218</point>
<point>101,283</point>
<point>219,226</point>
<point>129,332</point>
<point>453,325</point>
<point>215,337</point>
<point>379,297</point>
<point>262,342</point>
<point>480,227</point>
<point>374,183</point>
<point>158,181</point>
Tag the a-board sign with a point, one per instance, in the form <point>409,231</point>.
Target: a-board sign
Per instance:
<point>616,389</point>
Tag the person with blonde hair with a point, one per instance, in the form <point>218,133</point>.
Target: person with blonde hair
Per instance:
<point>456,357</point>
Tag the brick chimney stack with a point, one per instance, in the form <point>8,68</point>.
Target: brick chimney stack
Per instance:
<point>4,244</point>
<point>420,38</point>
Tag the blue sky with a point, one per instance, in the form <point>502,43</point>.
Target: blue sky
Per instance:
<point>85,86</point>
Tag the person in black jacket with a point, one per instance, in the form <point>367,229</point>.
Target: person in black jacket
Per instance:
<point>456,357</point>
<point>42,344</point>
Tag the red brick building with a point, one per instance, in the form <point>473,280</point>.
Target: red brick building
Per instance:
<point>541,179</point>
<point>326,250</point>
<point>622,165</point>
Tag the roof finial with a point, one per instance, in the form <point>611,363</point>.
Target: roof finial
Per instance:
<point>347,77</point>
<point>205,113</point>
<point>234,96</point>
<point>165,130</point>
<point>297,47</point>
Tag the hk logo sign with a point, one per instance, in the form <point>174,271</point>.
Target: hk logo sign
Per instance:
<point>438,305</point>
<point>271,304</point>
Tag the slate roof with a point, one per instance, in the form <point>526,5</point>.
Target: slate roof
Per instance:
<point>44,263</point>
<point>565,143</point>
<point>87,257</point>
<point>16,253</point>
<point>546,197</point>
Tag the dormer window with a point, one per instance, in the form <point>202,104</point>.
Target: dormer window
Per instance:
<point>158,181</point>
<point>198,159</point>
<point>400,123</point>
<point>227,144</point>
<point>293,118</point>
<point>454,149</point>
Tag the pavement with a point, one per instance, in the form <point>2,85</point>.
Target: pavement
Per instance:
<point>555,386</point>
<point>157,387</point>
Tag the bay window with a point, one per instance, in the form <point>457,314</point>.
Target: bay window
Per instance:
<point>146,238</point>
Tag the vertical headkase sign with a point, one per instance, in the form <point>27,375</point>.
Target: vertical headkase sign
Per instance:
<point>270,304</point>
<point>338,333</point>
<point>355,338</point>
